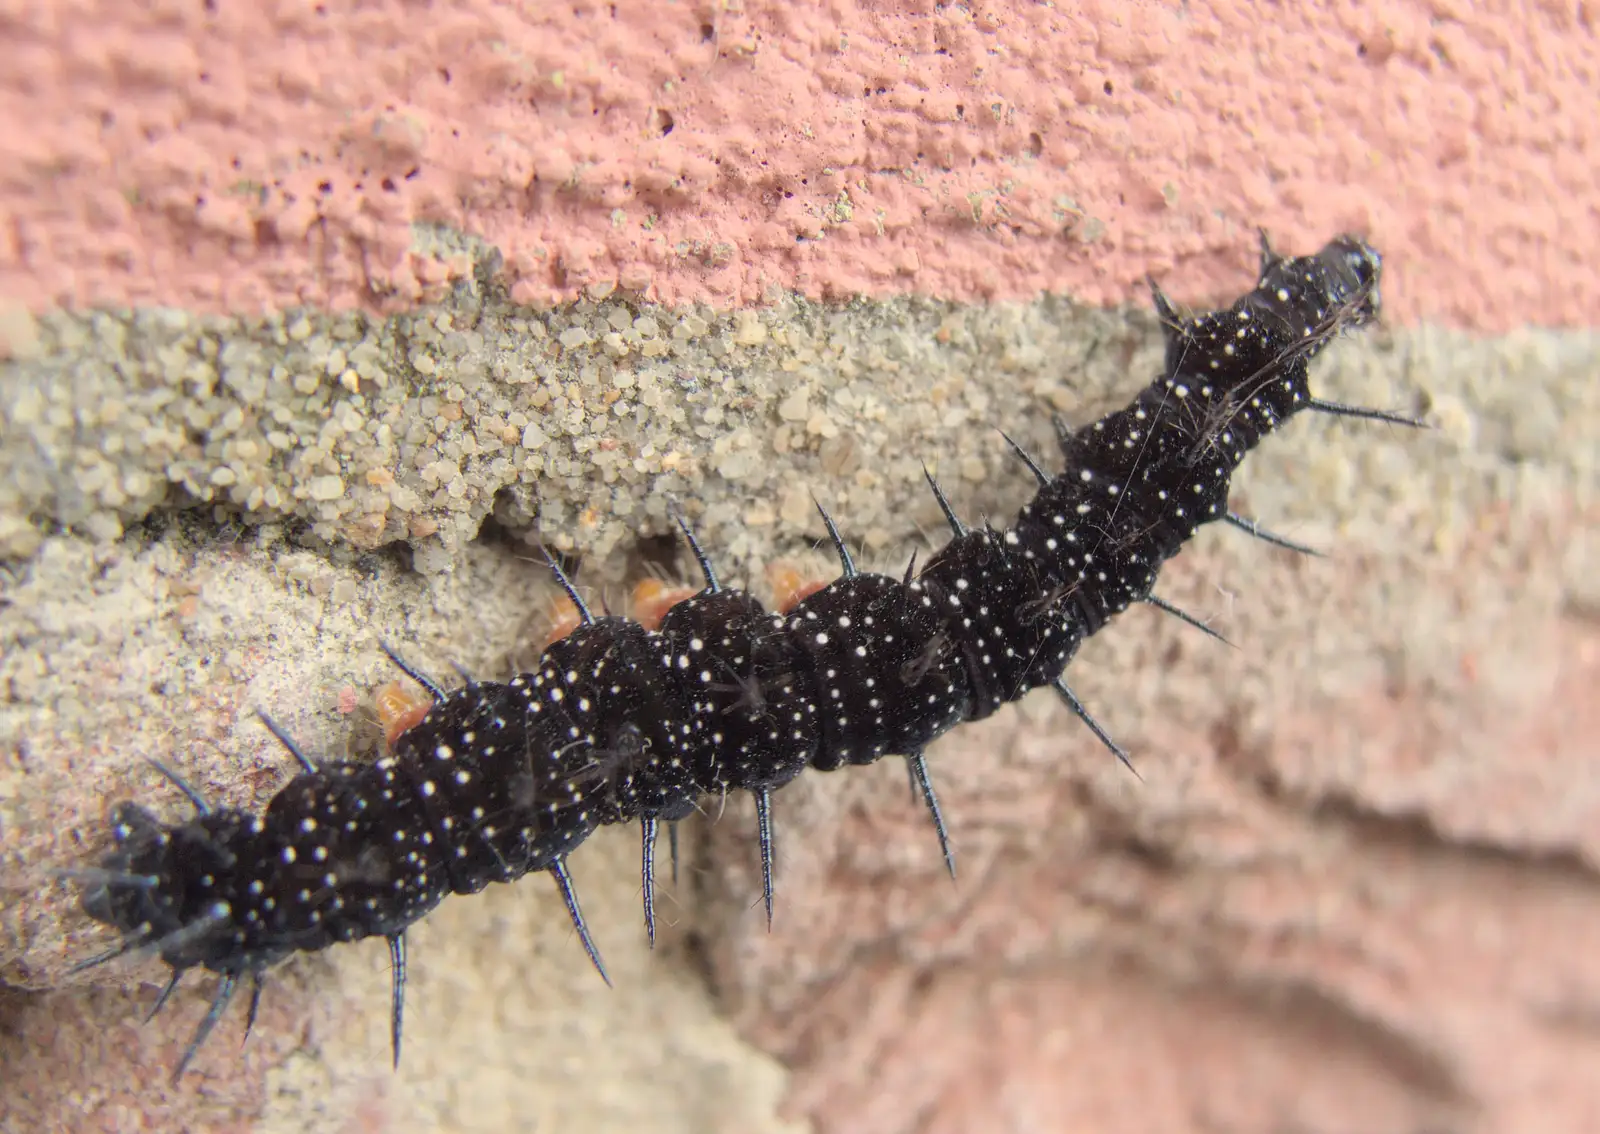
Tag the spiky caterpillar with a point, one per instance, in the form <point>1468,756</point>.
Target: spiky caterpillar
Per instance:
<point>620,721</point>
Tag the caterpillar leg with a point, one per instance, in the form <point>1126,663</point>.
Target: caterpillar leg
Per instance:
<point>918,765</point>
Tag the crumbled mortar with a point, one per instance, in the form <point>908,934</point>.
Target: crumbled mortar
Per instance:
<point>573,426</point>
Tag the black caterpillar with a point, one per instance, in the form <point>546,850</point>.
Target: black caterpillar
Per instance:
<point>618,723</point>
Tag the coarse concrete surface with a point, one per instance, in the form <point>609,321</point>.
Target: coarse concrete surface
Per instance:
<point>1405,718</point>
<point>336,348</point>
<point>232,156</point>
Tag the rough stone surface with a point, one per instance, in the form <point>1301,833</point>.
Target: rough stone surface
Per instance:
<point>573,426</point>
<point>1354,889</point>
<point>716,151</point>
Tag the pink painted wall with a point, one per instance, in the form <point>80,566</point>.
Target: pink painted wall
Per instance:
<point>236,154</point>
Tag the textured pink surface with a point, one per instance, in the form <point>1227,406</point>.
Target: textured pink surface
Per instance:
<point>230,154</point>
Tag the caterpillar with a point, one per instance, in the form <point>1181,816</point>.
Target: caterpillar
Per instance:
<point>620,721</point>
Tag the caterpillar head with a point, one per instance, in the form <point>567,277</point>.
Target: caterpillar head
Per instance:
<point>1354,269</point>
<point>164,887</point>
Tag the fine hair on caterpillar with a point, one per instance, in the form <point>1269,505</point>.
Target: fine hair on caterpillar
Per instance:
<point>706,691</point>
